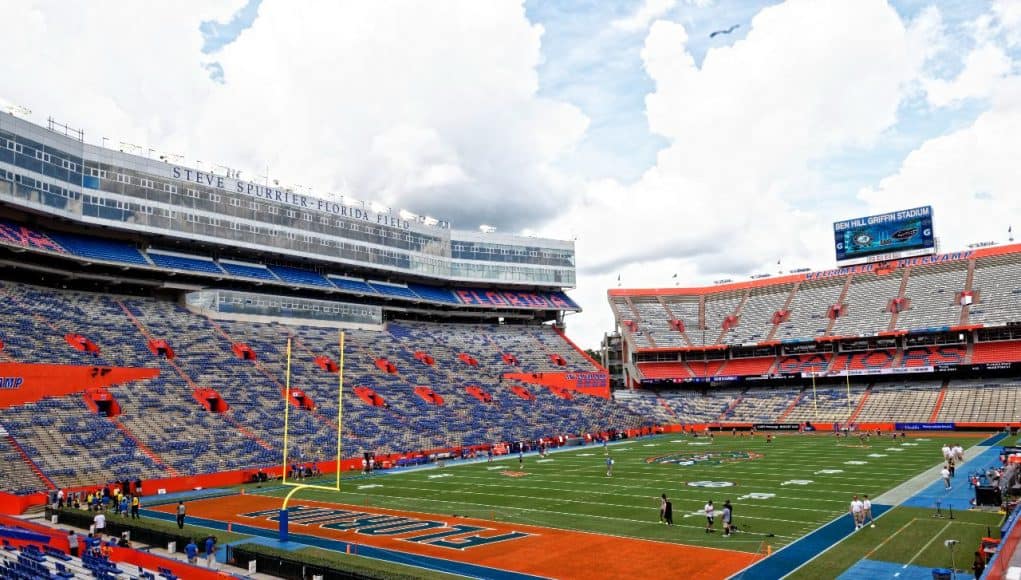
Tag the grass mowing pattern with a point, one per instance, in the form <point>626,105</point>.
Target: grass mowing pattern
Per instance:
<point>801,482</point>
<point>907,536</point>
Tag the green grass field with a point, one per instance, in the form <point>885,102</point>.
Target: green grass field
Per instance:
<point>785,490</point>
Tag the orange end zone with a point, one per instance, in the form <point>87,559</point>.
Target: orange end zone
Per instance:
<point>514,547</point>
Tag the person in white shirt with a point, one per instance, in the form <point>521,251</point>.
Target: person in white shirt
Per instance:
<point>959,453</point>
<point>710,517</point>
<point>945,474</point>
<point>99,522</point>
<point>866,511</point>
<point>947,453</point>
<point>856,511</point>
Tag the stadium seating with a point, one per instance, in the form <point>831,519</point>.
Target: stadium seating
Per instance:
<point>933,292</point>
<point>100,249</point>
<point>163,430</point>
<point>905,402</point>
<point>257,271</point>
<point>299,276</point>
<point>808,309</point>
<point>867,299</point>
<point>761,405</point>
<point>981,400</point>
<point>998,351</point>
<point>756,320</point>
<point>434,294</point>
<point>352,285</point>
<point>177,262</point>
<point>825,404</point>
<point>998,286</point>
<point>30,562</point>
<point>717,308</point>
<point>655,322</point>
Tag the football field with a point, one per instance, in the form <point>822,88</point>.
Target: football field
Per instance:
<point>780,490</point>
<point>560,516</point>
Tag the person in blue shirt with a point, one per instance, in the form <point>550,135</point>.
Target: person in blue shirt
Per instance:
<point>210,551</point>
<point>124,506</point>
<point>192,551</point>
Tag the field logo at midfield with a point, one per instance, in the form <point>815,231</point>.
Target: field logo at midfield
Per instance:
<point>686,458</point>
<point>711,484</point>
<point>433,533</point>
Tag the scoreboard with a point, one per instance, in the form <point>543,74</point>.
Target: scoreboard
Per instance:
<point>888,236</point>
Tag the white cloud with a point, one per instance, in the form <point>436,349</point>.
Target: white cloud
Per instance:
<point>970,176</point>
<point>648,11</point>
<point>984,68</point>
<point>432,107</point>
<point>736,190</point>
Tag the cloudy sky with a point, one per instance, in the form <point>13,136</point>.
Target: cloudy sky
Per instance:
<point>624,125</point>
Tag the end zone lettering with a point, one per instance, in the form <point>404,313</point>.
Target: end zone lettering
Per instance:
<point>441,534</point>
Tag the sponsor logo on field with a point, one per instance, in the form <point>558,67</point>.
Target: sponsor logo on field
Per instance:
<point>686,458</point>
<point>431,532</point>
<point>710,484</point>
<point>756,495</point>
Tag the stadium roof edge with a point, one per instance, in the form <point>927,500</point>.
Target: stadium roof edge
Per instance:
<point>819,274</point>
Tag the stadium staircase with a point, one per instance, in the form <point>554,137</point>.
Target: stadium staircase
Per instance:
<point>794,403</point>
<point>839,302</point>
<point>786,308</point>
<point>968,285</point>
<point>26,460</point>
<point>895,311</point>
<point>860,405</point>
<point>670,313</point>
<point>730,408</point>
<point>152,455</point>
<point>939,401</point>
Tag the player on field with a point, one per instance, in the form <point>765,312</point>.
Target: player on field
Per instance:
<point>609,466</point>
<point>945,474</point>
<point>710,517</point>
<point>856,511</point>
<point>728,513</point>
<point>866,511</point>
<point>662,508</point>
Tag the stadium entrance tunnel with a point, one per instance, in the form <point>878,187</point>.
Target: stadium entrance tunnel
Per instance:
<point>429,396</point>
<point>243,351</point>
<point>300,399</point>
<point>327,364</point>
<point>79,342</point>
<point>161,348</point>
<point>102,402</point>
<point>210,400</point>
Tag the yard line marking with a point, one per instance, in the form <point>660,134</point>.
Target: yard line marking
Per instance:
<point>890,537</point>
<point>927,544</point>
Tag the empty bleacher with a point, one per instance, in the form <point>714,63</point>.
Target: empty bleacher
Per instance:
<point>933,292</point>
<point>904,402</point>
<point>757,314</point>
<point>808,309</point>
<point>981,400</point>
<point>998,286</point>
<point>867,300</point>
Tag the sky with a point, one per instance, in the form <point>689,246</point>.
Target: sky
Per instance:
<point>626,126</point>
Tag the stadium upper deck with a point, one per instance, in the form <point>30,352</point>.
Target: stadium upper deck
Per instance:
<point>959,300</point>
<point>46,172</point>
